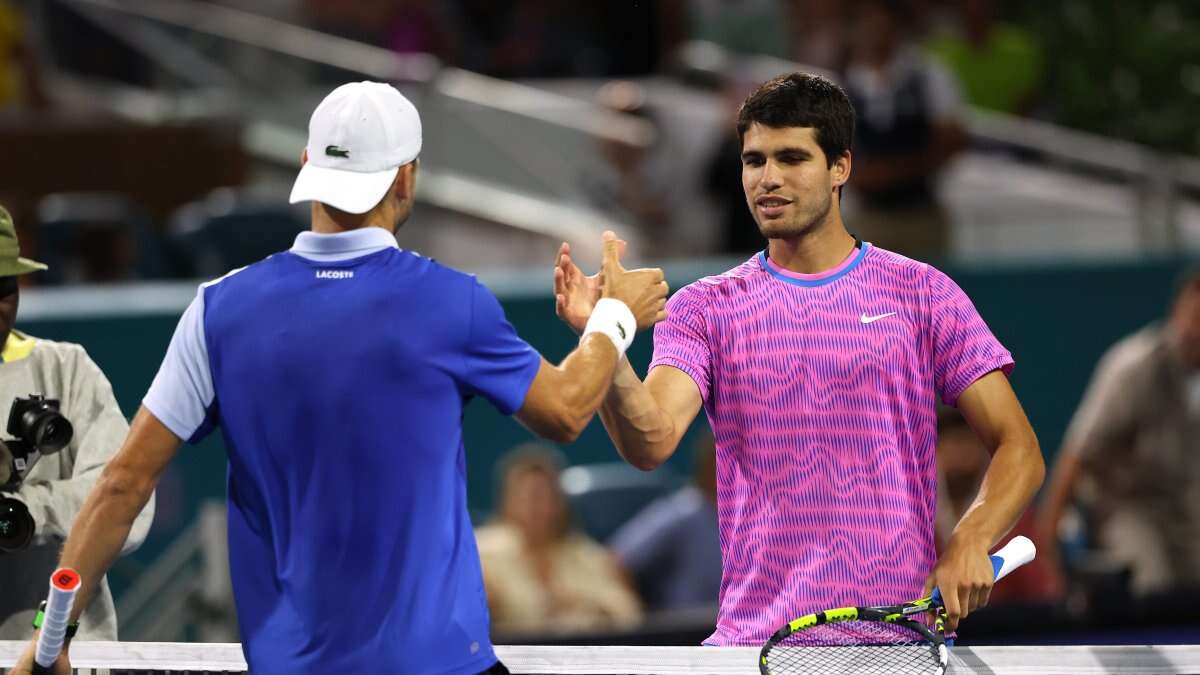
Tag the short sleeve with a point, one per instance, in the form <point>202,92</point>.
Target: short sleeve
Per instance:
<point>964,348</point>
<point>682,339</point>
<point>1106,417</point>
<point>182,396</point>
<point>497,363</point>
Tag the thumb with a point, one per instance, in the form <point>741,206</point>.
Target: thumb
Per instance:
<point>613,248</point>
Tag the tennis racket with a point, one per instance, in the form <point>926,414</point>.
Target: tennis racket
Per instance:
<point>904,639</point>
<point>54,618</point>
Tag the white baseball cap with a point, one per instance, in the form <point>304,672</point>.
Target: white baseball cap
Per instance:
<point>358,138</point>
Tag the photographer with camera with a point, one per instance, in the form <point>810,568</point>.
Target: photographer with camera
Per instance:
<point>63,426</point>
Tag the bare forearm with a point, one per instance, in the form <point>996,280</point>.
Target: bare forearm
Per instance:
<point>644,434</point>
<point>1012,479</point>
<point>563,398</point>
<point>100,531</point>
<point>586,373</point>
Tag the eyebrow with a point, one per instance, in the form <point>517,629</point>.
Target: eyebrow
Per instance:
<point>799,152</point>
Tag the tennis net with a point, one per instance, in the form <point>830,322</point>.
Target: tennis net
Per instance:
<point>141,658</point>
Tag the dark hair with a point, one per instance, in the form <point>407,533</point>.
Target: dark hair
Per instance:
<point>802,100</point>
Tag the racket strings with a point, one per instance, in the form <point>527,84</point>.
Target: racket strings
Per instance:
<point>856,647</point>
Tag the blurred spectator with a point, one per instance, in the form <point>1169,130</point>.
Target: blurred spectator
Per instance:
<point>818,33</point>
<point>672,548</point>
<point>908,128</point>
<point>741,26</point>
<point>540,574</point>
<point>422,27</point>
<point>362,20</point>
<point>20,80</point>
<point>999,65</point>
<point>962,460</point>
<point>525,38</point>
<point>723,179</point>
<point>1129,455</point>
<point>637,186</point>
<point>739,233</point>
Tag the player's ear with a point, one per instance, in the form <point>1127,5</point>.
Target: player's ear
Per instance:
<point>840,170</point>
<point>406,180</point>
<point>304,157</point>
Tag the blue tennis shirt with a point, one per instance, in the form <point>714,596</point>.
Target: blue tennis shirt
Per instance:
<point>337,372</point>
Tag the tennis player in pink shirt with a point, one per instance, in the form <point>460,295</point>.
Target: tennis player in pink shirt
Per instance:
<point>819,363</point>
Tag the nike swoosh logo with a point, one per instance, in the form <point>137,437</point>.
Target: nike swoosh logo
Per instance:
<point>868,319</point>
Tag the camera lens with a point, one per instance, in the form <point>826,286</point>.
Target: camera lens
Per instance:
<point>16,525</point>
<point>51,432</point>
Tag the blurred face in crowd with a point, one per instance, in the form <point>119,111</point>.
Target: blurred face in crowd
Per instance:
<point>10,297</point>
<point>876,33</point>
<point>535,504</point>
<point>1185,322</point>
<point>788,182</point>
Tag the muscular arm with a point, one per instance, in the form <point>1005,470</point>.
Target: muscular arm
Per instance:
<point>124,487</point>
<point>964,573</point>
<point>646,419</point>
<point>562,399</point>
<point>1016,470</point>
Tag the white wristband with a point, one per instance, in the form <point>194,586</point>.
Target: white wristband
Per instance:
<point>614,319</point>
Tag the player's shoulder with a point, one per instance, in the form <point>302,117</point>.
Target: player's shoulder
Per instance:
<point>898,271</point>
<point>733,279</point>
<point>897,263</point>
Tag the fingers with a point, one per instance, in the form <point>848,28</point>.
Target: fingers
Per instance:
<point>965,599</point>
<point>613,248</point>
<point>953,608</point>
<point>981,597</point>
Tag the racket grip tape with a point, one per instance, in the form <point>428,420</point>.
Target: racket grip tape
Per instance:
<point>64,583</point>
<point>1017,552</point>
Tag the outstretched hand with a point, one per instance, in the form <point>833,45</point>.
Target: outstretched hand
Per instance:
<point>574,293</point>
<point>644,291</point>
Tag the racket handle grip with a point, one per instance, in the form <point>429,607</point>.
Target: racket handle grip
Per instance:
<point>1017,552</point>
<point>64,583</point>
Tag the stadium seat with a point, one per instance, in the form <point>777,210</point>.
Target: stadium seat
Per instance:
<point>231,229</point>
<point>88,237</point>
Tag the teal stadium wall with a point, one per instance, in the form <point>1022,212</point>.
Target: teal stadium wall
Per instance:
<point>1056,320</point>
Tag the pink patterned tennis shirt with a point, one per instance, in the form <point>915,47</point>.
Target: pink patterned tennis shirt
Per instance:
<point>821,391</point>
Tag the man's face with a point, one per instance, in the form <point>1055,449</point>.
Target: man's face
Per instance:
<point>10,296</point>
<point>787,181</point>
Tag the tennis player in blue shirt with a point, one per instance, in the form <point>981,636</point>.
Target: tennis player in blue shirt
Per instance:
<point>337,372</point>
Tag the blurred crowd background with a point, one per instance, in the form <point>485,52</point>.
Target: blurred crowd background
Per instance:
<point>1047,155</point>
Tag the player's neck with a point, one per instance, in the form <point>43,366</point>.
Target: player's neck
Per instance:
<point>812,253</point>
<point>332,221</point>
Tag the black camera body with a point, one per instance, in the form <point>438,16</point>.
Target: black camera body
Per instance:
<point>38,429</point>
